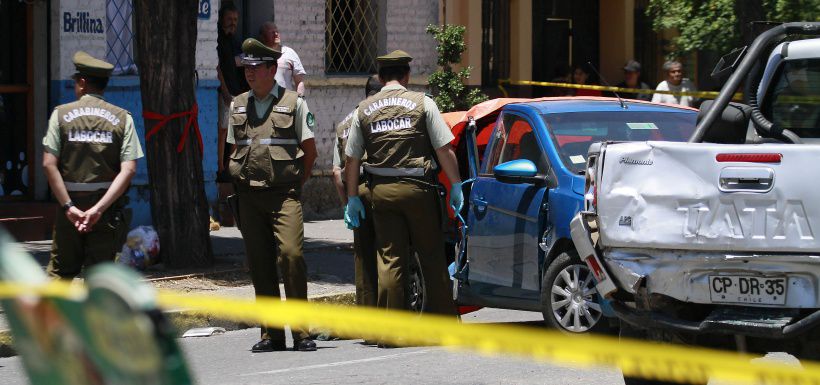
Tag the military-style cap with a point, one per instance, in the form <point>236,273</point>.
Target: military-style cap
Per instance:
<point>632,66</point>
<point>257,53</point>
<point>90,66</point>
<point>397,58</point>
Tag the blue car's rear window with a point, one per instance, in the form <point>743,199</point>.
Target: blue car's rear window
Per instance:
<point>573,132</point>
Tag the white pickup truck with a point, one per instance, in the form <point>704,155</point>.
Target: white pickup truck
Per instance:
<point>716,242</point>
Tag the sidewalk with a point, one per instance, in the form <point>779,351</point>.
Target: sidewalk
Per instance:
<point>328,252</point>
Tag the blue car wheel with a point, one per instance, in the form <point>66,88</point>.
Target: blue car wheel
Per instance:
<point>569,299</point>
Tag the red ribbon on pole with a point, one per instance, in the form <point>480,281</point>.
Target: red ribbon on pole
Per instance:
<point>164,119</point>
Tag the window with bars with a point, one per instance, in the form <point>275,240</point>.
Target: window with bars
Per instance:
<point>120,36</point>
<point>351,36</point>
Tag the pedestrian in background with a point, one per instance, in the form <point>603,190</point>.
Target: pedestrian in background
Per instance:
<point>290,73</point>
<point>632,79</point>
<point>404,136</point>
<point>364,237</point>
<point>274,150</point>
<point>561,73</point>
<point>231,77</point>
<point>91,152</point>
<point>675,82</point>
<point>580,75</point>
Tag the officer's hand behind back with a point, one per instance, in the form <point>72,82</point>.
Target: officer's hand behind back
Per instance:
<point>354,211</point>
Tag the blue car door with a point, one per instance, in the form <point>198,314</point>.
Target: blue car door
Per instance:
<point>504,219</point>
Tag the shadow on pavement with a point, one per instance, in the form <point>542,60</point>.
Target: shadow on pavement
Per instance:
<point>328,253</point>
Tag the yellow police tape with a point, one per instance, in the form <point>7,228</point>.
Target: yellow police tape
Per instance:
<point>697,94</point>
<point>635,358</point>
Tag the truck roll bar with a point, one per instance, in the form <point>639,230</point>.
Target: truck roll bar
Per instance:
<point>758,47</point>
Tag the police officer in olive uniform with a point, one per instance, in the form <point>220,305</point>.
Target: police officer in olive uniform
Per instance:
<point>90,156</point>
<point>364,252</point>
<point>404,137</point>
<point>272,157</point>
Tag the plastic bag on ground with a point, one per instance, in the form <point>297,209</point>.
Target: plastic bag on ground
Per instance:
<point>141,248</point>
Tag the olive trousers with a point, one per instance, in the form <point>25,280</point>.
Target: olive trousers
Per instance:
<point>272,218</point>
<point>407,215</point>
<point>364,254</point>
<point>71,250</point>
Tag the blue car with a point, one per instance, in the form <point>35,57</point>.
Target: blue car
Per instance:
<point>527,186</point>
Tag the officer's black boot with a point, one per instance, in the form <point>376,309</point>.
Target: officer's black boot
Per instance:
<point>267,345</point>
<point>304,345</point>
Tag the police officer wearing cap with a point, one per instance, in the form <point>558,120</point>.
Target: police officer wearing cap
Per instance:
<point>90,156</point>
<point>406,140</point>
<point>272,157</point>
<point>364,253</point>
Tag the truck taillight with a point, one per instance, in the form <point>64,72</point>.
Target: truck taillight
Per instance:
<point>750,158</point>
<point>597,271</point>
<point>594,195</point>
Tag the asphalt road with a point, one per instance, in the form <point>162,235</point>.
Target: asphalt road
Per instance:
<point>226,359</point>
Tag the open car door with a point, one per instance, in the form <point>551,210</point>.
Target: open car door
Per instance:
<point>472,131</point>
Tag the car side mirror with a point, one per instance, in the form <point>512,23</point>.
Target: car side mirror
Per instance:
<point>519,171</point>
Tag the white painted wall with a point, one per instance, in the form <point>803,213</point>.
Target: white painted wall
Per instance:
<point>65,42</point>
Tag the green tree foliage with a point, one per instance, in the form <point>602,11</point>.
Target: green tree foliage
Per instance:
<point>447,85</point>
<point>721,25</point>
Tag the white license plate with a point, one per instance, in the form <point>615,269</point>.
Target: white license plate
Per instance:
<point>748,289</point>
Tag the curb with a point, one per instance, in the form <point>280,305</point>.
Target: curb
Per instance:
<point>184,320</point>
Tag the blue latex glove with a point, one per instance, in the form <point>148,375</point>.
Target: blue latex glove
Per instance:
<point>354,211</point>
<point>456,197</point>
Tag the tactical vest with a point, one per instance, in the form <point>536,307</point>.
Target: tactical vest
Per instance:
<point>342,132</point>
<point>91,136</point>
<point>267,150</point>
<point>395,134</point>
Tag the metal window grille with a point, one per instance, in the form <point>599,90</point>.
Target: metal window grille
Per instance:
<point>351,36</point>
<point>120,36</point>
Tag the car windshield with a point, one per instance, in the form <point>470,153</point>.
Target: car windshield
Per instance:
<point>574,132</point>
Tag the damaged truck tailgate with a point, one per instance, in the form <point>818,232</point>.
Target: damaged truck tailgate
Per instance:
<point>720,224</point>
<point>710,197</point>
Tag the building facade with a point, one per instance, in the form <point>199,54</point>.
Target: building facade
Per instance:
<point>337,41</point>
<point>540,39</point>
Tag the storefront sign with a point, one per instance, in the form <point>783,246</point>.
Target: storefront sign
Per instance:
<point>80,27</point>
<point>82,22</point>
<point>204,9</point>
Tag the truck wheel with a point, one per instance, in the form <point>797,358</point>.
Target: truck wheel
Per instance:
<point>415,290</point>
<point>569,300</point>
<point>641,381</point>
<point>630,332</point>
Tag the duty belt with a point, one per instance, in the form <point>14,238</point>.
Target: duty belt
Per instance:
<point>72,186</point>
<point>395,171</point>
<point>247,142</point>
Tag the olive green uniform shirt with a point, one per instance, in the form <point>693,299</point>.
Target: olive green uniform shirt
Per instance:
<point>304,131</point>
<point>437,129</point>
<point>131,149</point>
<point>337,160</point>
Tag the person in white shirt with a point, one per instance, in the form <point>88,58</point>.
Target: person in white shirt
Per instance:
<point>290,74</point>
<point>675,82</point>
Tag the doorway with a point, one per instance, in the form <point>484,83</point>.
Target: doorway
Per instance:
<point>16,111</point>
<point>564,34</point>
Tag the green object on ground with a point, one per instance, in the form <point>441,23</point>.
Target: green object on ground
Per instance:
<point>115,334</point>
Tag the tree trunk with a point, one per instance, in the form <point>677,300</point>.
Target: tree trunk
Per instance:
<point>165,55</point>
